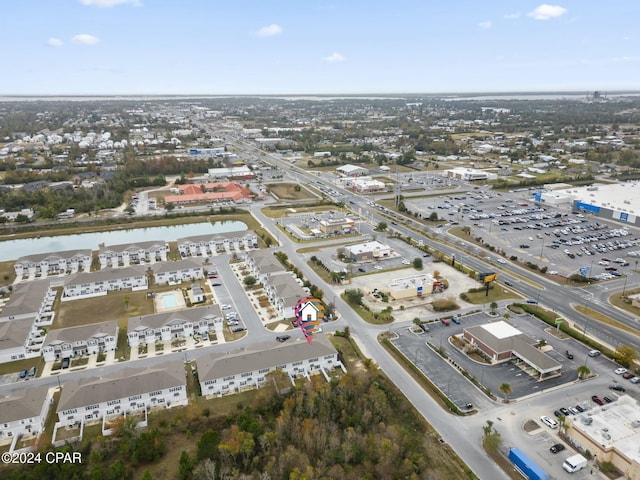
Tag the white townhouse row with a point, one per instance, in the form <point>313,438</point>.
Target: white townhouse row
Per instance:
<point>263,264</point>
<point>206,245</point>
<point>24,413</point>
<point>282,287</point>
<point>232,373</point>
<point>161,327</point>
<point>177,272</point>
<point>127,254</point>
<point>101,282</point>
<point>80,341</point>
<point>57,263</point>
<point>284,291</point>
<point>29,308</point>
<point>88,400</point>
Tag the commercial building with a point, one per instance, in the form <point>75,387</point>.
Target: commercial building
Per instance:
<point>217,192</point>
<point>232,373</point>
<point>500,342</point>
<point>411,287</point>
<point>611,433</point>
<point>470,174</point>
<point>367,185</point>
<point>352,170</point>
<point>367,251</point>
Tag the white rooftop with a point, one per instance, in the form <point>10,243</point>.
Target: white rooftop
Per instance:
<point>501,329</point>
<point>616,196</point>
<point>615,425</point>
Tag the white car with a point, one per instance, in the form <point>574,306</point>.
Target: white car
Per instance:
<point>225,306</point>
<point>406,262</point>
<point>501,260</point>
<point>620,371</point>
<point>549,422</point>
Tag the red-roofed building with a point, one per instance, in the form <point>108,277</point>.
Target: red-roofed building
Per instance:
<point>210,192</point>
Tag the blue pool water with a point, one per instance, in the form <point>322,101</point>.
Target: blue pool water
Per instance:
<point>169,300</point>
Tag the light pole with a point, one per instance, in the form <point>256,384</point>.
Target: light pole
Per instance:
<point>541,248</point>
<point>625,284</point>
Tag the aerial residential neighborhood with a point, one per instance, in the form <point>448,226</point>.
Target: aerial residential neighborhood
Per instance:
<point>310,241</point>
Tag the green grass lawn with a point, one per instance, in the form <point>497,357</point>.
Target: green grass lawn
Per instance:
<point>496,294</point>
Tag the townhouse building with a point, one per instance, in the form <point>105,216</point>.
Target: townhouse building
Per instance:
<point>101,282</point>
<point>225,374</point>
<point>23,413</point>
<point>263,264</point>
<point>284,290</point>
<point>161,327</point>
<point>177,272</point>
<point>57,263</point>
<point>88,400</point>
<point>207,245</point>
<point>80,341</point>
<point>138,253</point>
<point>28,310</point>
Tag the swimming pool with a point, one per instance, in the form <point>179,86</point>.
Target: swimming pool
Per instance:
<point>169,300</point>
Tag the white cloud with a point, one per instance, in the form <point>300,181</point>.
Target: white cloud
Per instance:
<point>335,57</point>
<point>85,39</point>
<point>511,16</point>
<point>54,42</point>
<point>485,24</point>
<point>270,30</point>
<point>110,3</point>
<point>546,12</point>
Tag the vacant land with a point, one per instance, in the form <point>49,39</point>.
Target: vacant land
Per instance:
<point>290,191</point>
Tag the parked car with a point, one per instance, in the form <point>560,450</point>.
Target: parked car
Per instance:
<point>620,370</point>
<point>283,338</point>
<point>635,380</point>
<point>565,411</point>
<point>23,374</point>
<point>617,388</point>
<point>444,321</point>
<point>569,355</point>
<point>579,408</point>
<point>558,413</point>
<point>455,320</point>
<point>597,400</point>
<point>558,447</point>
<point>628,375</point>
<point>594,353</point>
<point>33,371</point>
<point>607,399</point>
<point>65,363</point>
<point>550,422</point>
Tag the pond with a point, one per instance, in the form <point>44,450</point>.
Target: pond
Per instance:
<point>14,249</point>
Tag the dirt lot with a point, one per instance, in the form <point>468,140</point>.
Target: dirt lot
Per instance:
<point>458,283</point>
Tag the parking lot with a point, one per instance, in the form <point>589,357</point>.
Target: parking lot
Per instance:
<point>564,241</point>
<point>462,391</point>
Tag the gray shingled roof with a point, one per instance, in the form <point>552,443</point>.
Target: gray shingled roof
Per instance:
<point>14,333</point>
<point>131,381</point>
<point>105,274</point>
<point>521,346</point>
<point>159,320</point>
<point>81,332</point>
<point>129,246</point>
<point>55,256</point>
<point>184,264</point>
<point>294,350</point>
<point>26,298</point>
<point>26,403</point>
<point>214,236</point>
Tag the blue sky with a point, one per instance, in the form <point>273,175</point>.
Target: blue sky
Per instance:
<point>84,47</point>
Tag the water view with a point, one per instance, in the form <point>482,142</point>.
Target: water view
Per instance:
<point>14,249</point>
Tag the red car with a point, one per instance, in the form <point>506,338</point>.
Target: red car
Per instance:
<point>597,400</point>
<point>628,375</point>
